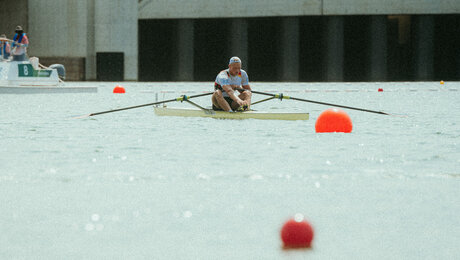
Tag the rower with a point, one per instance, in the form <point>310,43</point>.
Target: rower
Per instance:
<point>227,81</point>
<point>20,44</point>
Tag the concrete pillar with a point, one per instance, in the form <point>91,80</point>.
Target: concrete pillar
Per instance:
<point>239,40</point>
<point>90,61</point>
<point>378,48</point>
<point>334,48</point>
<point>116,30</point>
<point>457,76</point>
<point>424,42</point>
<point>289,49</point>
<point>184,65</point>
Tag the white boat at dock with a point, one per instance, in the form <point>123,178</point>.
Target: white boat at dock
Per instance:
<point>26,77</point>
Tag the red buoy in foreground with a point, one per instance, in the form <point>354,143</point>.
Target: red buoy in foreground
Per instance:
<point>380,90</point>
<point>333,120</point>
<point>118,89</point>
<point>297,233</point>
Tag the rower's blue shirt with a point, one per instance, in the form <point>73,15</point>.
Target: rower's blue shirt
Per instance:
<point>224,78</point>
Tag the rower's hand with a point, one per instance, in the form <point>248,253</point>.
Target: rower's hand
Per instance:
<point>240,102</point>
<point>242,108</point>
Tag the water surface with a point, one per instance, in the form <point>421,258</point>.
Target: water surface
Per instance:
<point>133,185</point>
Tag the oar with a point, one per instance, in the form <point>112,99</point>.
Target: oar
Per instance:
<point>281,96</point>
<point>181,98</point>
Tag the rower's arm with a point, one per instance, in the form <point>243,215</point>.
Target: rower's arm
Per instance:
<point>247,87</point>
<point>231,93</point>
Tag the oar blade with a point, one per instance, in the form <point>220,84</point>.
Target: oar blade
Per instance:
<point>401,116</point>
<point>82,116</point>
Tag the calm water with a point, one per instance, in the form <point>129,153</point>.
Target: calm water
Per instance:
<point>134,185</point>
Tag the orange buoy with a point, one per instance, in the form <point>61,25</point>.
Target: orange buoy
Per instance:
<point>442,82</point>
<point>380,89</point>
<point>118,89</point>
<point>296,233</point>
<point>333,120</point>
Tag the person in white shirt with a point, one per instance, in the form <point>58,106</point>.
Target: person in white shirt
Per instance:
<point>227,81</point>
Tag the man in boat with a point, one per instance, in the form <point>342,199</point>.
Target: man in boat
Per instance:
<point>4,47</point>
<point>227,81</point>
<point>20,44</point>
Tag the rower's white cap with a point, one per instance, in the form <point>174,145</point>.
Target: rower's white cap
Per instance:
<point>234,60</point>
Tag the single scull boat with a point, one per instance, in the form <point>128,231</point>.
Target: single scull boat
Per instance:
<point>190,112</point>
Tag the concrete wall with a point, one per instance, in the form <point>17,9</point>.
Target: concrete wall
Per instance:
<point>13,13</point>
<point>76,29</point>
<point>57,28</point>
<point>58,34</point>
<point>115,30</point>
<point>375,7</point>
<point>160,9</point>
<point>165,9</point>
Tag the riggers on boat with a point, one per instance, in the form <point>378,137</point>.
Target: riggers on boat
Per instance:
<point>25,77</point>
<point>241,113</point>
<point>205,112</point>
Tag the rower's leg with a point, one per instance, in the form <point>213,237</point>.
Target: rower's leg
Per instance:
<point>219,101</point>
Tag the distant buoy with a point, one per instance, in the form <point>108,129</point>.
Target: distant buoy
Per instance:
<point>119,89</point>
<point>380,89</point>
<point>442,82</point>
<point>333,120</point>
<point>297,233</point>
